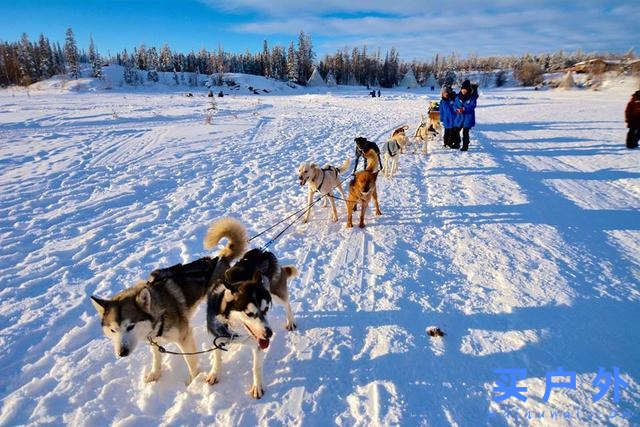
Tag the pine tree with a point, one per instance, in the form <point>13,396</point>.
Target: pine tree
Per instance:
<point>304,58</point>
<point>265,58</point>
<point>94,60</point>
<point>71,54</point>
<point>27,64</point>
<point>166,60</point>
<point>45,63</point>
<point>292,64</point>
<point>129,75</point>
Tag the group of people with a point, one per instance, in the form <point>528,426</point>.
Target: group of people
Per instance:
<point>458,113</point>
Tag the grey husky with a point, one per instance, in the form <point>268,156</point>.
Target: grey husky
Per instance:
<point>239,305</point>
<point>161,307</point>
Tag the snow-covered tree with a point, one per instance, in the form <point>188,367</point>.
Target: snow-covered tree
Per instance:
<point>28,65</point>
<point>95,60</point>
<point>292,64</point>
<point>166,59</point>
<point>71,54</point>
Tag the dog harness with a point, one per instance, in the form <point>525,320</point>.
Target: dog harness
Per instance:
<point>324,171</point>
<point>392,151</point>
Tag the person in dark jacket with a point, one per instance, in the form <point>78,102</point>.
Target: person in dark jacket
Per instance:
<point>448,116</point>
<point>465,106</point>
<point>362,146</point>
<point>632,117</point>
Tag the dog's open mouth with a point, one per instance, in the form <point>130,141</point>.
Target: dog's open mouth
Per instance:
<point>262,342</point>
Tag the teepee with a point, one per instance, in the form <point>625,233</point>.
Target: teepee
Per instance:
<point>432,82</point>
<point>331,79</point>
<point>315,79</point>
<point>409,80</point>
<point>567,81</point>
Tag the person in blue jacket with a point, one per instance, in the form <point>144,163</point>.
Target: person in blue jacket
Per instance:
<point>448,117</point>
<point>465,106</point>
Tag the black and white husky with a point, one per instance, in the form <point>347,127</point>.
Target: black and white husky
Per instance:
<point>161,307</point>
<point>239,305</point>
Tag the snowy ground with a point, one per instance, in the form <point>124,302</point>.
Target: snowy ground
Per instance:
<point>524,251</point>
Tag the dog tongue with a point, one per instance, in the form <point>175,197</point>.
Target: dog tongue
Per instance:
<point>263,343</point>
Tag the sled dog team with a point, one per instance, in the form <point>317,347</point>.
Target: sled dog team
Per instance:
<point>239,296</point>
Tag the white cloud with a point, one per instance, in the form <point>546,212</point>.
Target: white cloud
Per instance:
<point>420,29</point>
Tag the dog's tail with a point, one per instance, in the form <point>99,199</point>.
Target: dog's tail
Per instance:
<point>234,231</point>
<point>344,166</point>
<point>290,271</point>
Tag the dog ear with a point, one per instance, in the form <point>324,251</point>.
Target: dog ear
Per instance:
<point>101,305</point>
<point>143,299</point>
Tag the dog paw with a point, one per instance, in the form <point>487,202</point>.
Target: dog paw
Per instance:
<point>211,379</point>
<point>291,326</point>
<point>151,377</point>
<point>349,225</point>
<point>361,225</point>
<point>256,392</point>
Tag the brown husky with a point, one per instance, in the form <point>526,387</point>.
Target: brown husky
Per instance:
<point>362,188</point>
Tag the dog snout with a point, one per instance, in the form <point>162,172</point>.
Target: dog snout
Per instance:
<point>123,352</point>
<point>268,332</point>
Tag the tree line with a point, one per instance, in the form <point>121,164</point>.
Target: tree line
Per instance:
<point>25,62</point>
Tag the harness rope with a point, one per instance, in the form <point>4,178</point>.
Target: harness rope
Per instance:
<point>303,210</point>
<point>216,346</point>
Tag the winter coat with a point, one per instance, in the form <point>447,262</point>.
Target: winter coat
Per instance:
<point>447,113</point>
<point>468,117</point>
<point>632,112</point>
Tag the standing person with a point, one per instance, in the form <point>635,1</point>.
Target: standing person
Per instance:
<point>632,117</point>
<point>362,146</point>
<point>466,108</point>
<point>448,116</point>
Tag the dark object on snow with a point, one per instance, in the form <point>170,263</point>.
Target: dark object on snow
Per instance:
<point>632,117</point>
<point>210,94</point>
<point>220,94</point>
<point>378,93</point>
<point>435,332</point>
<point>372,93</point>
<point>433,88</point>
<point>189,95</point>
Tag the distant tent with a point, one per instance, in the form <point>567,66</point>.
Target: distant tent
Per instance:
<point>409,80</point>
<point>567,81</point>
<point>331,79</point>
<point>315,79</point>
<point>432,83</point>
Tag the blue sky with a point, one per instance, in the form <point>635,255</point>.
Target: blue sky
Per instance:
<point>418,29</point>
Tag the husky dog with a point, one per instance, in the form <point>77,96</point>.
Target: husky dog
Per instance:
<point>391,150</point>
<point>322,180</point>
<point>240,304</point>
<point>429,128</point>
<point>362,188</point>
<point>161,307</point>
<point>400,137</point>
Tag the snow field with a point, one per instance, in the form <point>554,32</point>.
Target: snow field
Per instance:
<point>524,251</point>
